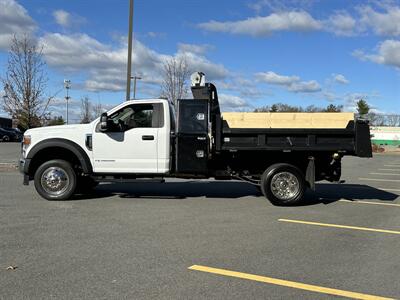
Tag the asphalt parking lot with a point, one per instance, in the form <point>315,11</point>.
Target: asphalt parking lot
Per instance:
<point>205,239</point>
<point>9,152</point>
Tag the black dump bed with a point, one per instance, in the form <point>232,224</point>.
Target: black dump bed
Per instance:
<point>352,140</point>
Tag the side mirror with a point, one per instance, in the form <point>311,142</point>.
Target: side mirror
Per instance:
<point>103,122</point>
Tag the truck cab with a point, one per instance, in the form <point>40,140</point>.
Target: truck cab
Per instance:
<point>134,137</point>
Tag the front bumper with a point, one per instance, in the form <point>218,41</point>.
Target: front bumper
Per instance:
<point>23,167</point>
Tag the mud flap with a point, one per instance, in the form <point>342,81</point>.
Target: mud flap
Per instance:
<point>310,173</point>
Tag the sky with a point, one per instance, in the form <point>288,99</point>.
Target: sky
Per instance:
<point>257,52</point>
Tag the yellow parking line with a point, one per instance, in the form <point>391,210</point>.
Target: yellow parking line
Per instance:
<point>385,174</point>
<point>340,226</point>
<point>369,202</point>
<point>379,179</point>
<point>286,283</point>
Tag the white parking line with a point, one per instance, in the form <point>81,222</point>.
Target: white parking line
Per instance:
<point>388,169</point>
<point>385,174</point>
<point>379,179</point>
<point>392,166</point>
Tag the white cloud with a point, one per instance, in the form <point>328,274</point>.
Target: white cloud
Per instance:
<point>62,17</point>
<point>329,96</point>
<point>380,18</point>
<point>198,62</point>
<point>65,19</point>
<point>273,78</point>
<point>263,26</point>
<point>388,53</point>
<point>339,78</point>
<point>14,19</point>
<point>385,23</point>
<point>291,83</point>
<point>243,87</point>
<point>154,34</point>
<point>279,5</point>
<point>311,86</point>
<point>342,24</point>
<point>194,48</point>
<point>105,66</point>
<point>231,102</point>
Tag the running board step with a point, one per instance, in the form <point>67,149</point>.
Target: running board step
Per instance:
<point>130,180</point>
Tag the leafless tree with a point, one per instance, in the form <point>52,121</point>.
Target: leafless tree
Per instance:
<point>393,120</point>
<point>97,110</point>
<point>175,76</point>
<point>86,110</point>
<point>24,83</point>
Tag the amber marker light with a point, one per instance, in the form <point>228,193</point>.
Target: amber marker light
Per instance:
<point>27,140</point>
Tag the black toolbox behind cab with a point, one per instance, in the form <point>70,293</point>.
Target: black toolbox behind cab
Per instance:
<point>192,138</point>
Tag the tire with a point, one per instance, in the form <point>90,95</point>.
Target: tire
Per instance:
<point>55,180</point>
<point>283,184</point>
<point>6,138</point>
<point>85,185</point>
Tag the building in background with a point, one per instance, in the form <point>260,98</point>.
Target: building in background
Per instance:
<point>385,135</point>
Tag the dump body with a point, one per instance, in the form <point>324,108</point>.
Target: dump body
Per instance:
<point>352,140</point>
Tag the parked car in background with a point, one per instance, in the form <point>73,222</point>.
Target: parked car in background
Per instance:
<point>10,135</point>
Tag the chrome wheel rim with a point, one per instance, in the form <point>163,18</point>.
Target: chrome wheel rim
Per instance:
<point>6,138</point>
<point>285,185</point>
<point>55,181</point>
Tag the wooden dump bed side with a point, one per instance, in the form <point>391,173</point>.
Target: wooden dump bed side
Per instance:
<point>287,120</point>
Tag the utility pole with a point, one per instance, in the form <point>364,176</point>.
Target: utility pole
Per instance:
<point>67,86</point>
<point>130,37</point>
<point>134,85</point>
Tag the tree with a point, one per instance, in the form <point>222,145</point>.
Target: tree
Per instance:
<point>333,108</point>
<point>313,108</point>
<point>393,120</point>
<point>264,109</point>
<point>175,74</point>
<point>56,121</point>
<point>24,83</point>
<point>97,110</point>
<point>86,110</point>
<point>274,108</point>
<point>362,107</point>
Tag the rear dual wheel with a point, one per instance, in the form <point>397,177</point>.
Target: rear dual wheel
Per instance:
<point>283,184</point>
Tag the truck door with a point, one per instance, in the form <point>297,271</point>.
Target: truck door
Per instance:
<point>130,144</point>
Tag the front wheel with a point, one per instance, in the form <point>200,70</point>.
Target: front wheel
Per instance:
<point>55,180</point>
<point>283,184</point>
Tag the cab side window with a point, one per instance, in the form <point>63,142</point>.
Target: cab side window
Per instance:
<point>137,116</point>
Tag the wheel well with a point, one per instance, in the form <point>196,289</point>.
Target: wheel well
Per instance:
<point>54,153</point>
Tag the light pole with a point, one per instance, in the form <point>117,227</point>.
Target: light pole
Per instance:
<point>134,85</point>
<point>67,86</point>
<point>130,37</point>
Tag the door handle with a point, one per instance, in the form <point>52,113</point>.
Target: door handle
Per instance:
<point>148,137</point>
